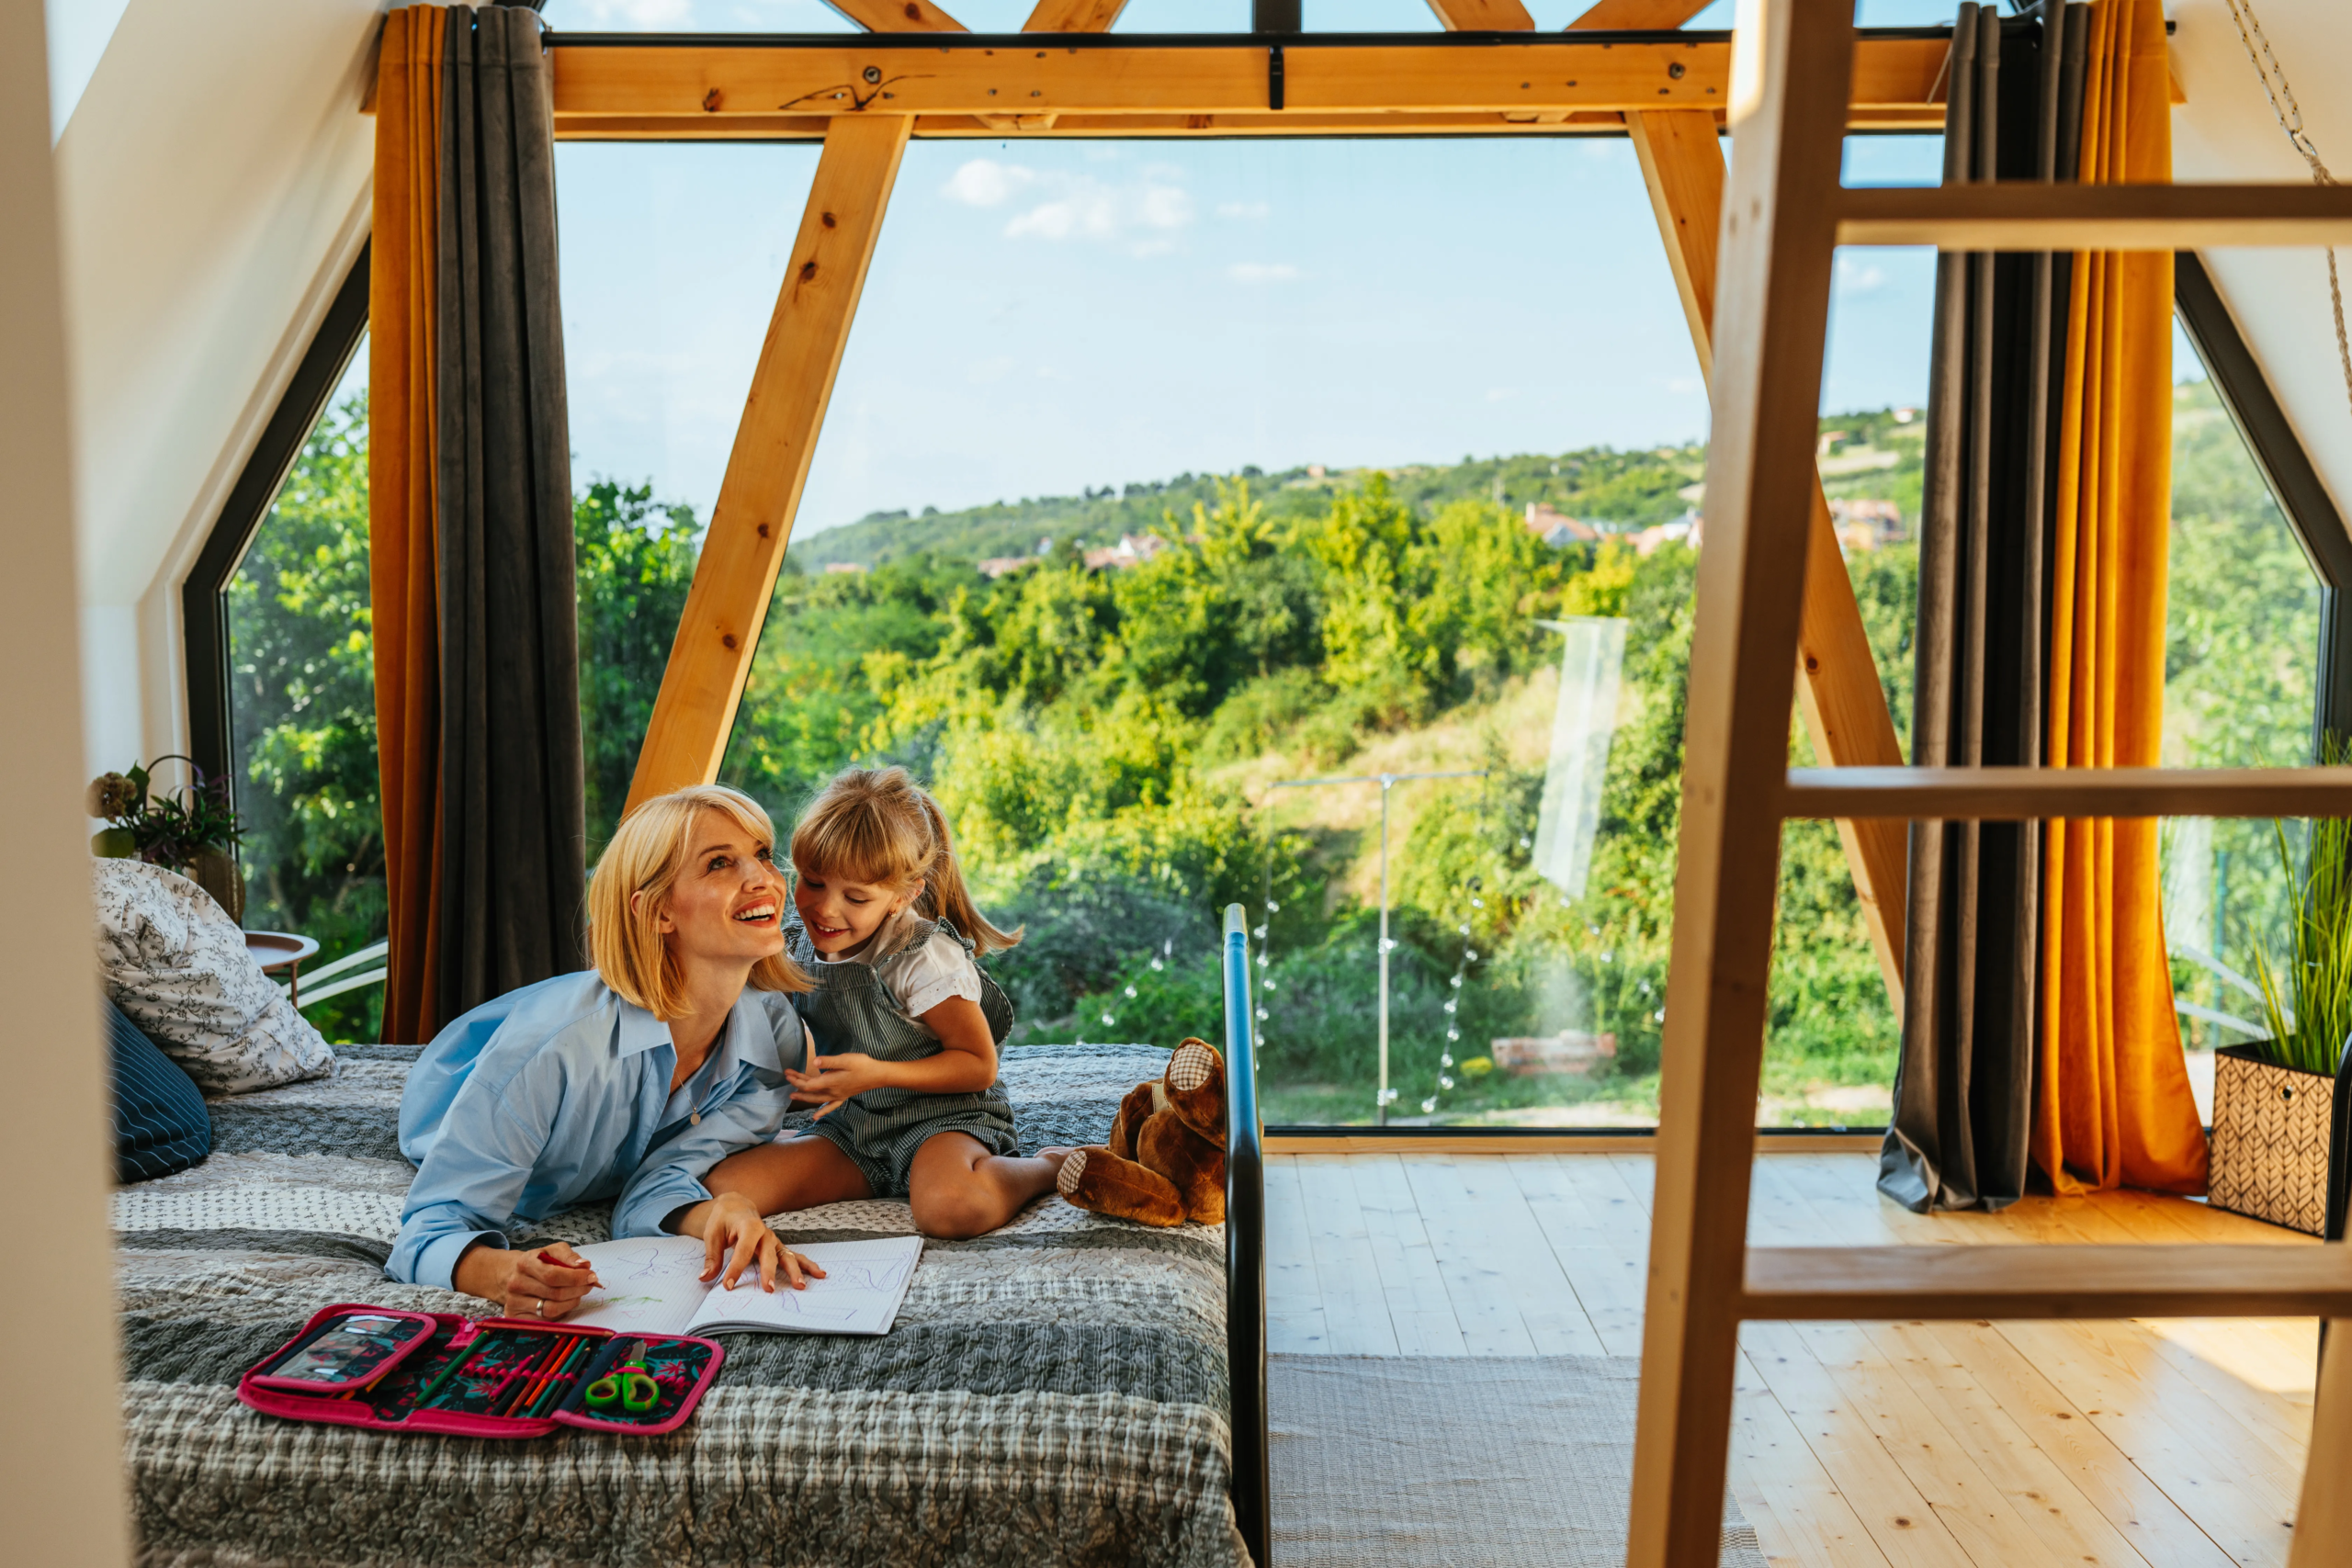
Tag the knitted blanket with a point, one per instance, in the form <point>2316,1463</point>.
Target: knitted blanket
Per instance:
<point>1053,1393</point>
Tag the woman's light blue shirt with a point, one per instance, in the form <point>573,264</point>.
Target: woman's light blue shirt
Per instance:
<point>559,1094</point>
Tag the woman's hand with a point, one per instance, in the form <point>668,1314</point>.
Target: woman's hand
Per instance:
<point>837,1078</point>
<point>730,1223</point>
<point>547,1282</point>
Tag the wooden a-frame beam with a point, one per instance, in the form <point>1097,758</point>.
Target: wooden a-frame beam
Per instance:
<point>1637,15</point>
<point>898,15</point>
<point>751,522</point>
<point>1838,688</point>
<point>1839,691</point>
<point>1483,16</point>
<point>1073,16</point>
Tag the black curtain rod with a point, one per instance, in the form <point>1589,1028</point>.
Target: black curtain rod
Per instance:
<point>1038,42</point>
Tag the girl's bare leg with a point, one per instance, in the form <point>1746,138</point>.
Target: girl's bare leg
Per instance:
<point>797,1174</point>
<point>958,1188</point>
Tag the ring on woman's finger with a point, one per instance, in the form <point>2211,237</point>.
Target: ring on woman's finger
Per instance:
<point>540,1308</point>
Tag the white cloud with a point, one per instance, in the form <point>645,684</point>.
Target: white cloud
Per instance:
<point>1137,215</point>
<point>1262,272</point>
<point>984,182</point>
<point>1242,209</point>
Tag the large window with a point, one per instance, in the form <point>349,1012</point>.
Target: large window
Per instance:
<point>1161,477</point>
<point>2241,656</point>
<point>302,710</point>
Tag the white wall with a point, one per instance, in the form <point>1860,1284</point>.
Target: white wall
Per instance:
<point>214,184</point>
<point>62,1497</point>
<point>2226,131</point>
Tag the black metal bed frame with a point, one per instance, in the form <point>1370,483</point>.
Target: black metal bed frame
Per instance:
<point>1245,1242</point>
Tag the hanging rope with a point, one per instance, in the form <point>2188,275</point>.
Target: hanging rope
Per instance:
<point>2290,115</point>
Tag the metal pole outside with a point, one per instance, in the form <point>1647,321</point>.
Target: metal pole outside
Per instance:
<point>1387,781</point>
<point>1380,1111</point>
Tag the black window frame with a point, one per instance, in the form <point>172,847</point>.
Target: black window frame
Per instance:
<point>204,597</point>
<point>2286,467</point>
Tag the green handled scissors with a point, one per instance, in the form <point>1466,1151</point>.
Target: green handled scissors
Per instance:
<point>627,1384</point>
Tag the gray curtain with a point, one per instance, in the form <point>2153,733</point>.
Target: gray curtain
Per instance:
<point>1964,1088</point>
<point>512,805</point>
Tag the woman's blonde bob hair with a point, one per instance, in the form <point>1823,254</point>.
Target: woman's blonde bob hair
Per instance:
<point>648,851</point>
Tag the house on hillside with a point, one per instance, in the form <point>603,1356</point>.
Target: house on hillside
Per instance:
<point>1557,528</point>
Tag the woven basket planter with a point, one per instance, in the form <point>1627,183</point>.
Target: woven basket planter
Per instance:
<point>2270,1135</point>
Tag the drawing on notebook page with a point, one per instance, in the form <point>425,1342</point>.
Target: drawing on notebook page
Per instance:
<point>654,1285</point>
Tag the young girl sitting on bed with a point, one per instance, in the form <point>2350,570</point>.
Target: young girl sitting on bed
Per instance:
<point>906,1022</point>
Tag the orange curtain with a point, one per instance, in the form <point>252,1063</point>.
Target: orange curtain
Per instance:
<point>2112,1105</point>
<point>402,460</point>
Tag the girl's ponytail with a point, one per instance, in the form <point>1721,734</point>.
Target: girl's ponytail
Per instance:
<point>949,900</point>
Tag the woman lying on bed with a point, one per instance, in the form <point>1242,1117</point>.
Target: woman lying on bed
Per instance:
<point>627,1082</point>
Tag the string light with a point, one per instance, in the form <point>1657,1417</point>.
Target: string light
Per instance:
<point>1472,887</point>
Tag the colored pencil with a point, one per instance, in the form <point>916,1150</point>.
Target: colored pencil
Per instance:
<point>564,1352</point>
<point>533,1371</point>
<point>558,1383</point>
<point>441,1376</point>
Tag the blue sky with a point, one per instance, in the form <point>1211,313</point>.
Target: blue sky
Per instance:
<point>1046,316</point>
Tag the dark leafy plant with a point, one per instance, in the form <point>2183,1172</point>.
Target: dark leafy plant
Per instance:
<point>169,830</point>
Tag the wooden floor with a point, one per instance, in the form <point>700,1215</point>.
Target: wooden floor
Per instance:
<point>2133,1445</point>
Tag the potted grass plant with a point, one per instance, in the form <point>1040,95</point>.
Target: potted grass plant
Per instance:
<point>2274,1099</point>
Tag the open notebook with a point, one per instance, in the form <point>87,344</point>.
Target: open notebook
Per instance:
<point>653,1285</point>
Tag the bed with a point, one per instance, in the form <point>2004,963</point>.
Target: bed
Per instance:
<point>1055,1392</point>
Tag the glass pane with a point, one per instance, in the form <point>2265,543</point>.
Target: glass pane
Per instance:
<point>1106,576</point>
<point>2241,663</point>
<point>302,712</point>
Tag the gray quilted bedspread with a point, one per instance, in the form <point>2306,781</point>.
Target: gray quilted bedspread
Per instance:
<point>1055,1392</point>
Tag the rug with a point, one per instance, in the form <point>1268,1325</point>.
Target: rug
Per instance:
<point>1518,1462</point>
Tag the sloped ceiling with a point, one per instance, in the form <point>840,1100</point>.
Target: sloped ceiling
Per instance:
<point>2226,131</point>
<point>213,183</point>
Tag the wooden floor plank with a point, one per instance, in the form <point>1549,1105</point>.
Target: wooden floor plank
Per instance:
<point>1800,1516</point>
<point>2101,1473</point>
<point>1607,1266</point>
<point>2219,1474</point>
<point>1944,1465</point>
<point>1906,1530</point>
<point>1487,1211</point>
<point>1480,1287</point>
<point>1294,1295</point>
<point>1418,1307</point>
<point>2068,1526</point>
<point>1355,1309</point>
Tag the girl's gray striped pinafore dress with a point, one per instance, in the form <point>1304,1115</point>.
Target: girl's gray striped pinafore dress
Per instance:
<point>851,1009</point>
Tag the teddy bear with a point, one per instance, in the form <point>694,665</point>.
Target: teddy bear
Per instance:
<point>1164,1162</point>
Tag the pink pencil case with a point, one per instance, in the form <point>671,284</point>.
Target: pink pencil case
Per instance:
<point>500,1377</point>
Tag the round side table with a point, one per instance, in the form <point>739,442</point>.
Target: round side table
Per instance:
<point>275,950</point>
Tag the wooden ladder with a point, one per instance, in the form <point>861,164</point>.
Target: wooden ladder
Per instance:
<point>1784,216</point>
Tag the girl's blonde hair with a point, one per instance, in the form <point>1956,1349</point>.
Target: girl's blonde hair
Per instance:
<point>879,825</point>
<point>648,851</point>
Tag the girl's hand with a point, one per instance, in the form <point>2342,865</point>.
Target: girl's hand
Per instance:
<point>547,1282</point>
<point>729,1222</point>
<point>837,1078</point>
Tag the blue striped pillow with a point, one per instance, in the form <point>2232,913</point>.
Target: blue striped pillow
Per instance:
<point>159,1124</point>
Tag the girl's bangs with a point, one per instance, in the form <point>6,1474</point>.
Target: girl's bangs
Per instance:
<point>856,845</point>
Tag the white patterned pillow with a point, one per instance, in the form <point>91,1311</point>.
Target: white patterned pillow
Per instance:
<point>176,964</point>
